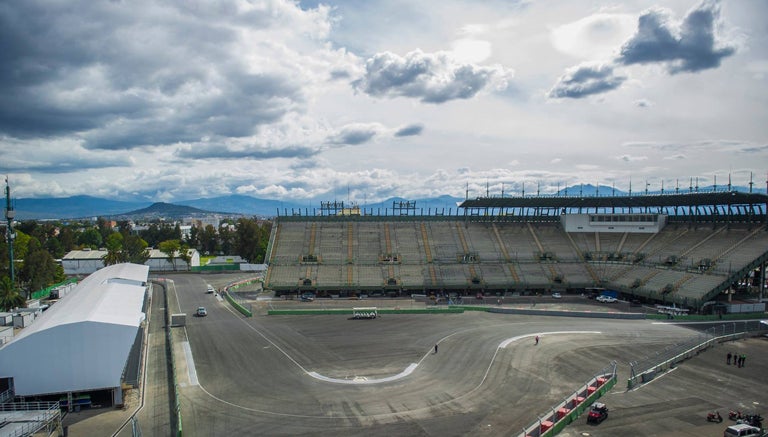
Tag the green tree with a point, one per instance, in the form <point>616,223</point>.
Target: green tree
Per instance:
<point>39,269</point>
<point>226,239</point>
<point>9,295</point>
<point>105,227</point>
<point>170,249</point>
<point>115,253</point>
<point>209,241</point>
<point>90,238</point>
<point>67,238</point>
<point>135,249</point>
<point>20,245</point>
<point>185,255</point>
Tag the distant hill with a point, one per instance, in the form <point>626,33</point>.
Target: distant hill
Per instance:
<point>89,207</point>
<point>167,210</point>
<point>71,207</point>
<point>239,204</point>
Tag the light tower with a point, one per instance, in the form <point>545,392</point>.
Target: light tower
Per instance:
<point>9,215</point>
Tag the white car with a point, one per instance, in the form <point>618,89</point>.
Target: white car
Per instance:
<point>557,296</point>
<point>606,299</point>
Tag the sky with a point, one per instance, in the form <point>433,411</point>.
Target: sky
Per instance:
<point>364,100</point>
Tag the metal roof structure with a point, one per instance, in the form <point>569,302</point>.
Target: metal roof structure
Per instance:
<point>722,203</point>
<point>82,342</point>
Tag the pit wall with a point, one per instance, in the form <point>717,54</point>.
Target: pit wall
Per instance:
<point>380,311</point>
<point>568,410</point>
<point>233,286</point>
<point>535,312</point>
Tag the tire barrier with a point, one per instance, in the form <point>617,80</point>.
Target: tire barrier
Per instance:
<point>568,410</point>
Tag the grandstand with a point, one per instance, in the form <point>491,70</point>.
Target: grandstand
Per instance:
<point>682,249</point>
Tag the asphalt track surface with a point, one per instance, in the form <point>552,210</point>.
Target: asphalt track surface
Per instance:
<point>327,374</point>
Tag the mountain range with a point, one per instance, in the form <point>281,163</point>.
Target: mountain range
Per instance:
<point>90,207</point>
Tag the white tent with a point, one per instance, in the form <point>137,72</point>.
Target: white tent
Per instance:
<point>82,342</point>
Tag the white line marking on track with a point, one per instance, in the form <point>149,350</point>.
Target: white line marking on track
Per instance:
<point>190,363</point>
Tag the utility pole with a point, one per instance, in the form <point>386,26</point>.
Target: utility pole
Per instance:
<point>9,215</point>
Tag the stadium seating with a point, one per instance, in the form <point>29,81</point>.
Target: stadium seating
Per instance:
<point>682,263</point>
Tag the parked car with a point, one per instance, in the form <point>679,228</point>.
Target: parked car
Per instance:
<point>742,430</point>
<point>307,297</point>
<point>606,299</point>
<point>597,413</point>
<point>201,312</point>
<point>557,296</point>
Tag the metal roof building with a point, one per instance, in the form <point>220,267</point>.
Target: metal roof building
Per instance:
<point>81,343</point>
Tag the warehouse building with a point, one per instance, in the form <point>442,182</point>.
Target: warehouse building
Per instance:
<point>83,342</point>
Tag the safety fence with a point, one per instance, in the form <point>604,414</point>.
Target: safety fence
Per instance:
<point>572,406</point>
<point>646,369</point>
<point>33,417</point>
<point>6,396</point>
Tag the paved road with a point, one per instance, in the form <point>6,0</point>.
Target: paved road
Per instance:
<point>254,373</point>
<point>253,376</point>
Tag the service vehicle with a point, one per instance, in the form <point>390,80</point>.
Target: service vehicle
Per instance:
<point>743,430</point>
<point>597,413</point>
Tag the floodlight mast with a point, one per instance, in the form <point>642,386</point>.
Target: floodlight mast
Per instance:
<point>9,215</point>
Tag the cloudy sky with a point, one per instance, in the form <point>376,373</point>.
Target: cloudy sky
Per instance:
<point>363,100</point>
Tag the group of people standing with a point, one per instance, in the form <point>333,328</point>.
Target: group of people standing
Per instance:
<point>738,360</point>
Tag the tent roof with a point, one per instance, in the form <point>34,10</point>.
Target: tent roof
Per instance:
<point>82,342</point>
<point>110,295</point>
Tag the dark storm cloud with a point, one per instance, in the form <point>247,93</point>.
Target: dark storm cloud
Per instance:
<point>431,78</point>
<point>585,80</point>
<point>218,151</point>
<point>354,135</point>
<point>61,162</point>
<point>128,74</point>
<point>691,48</point>
<point>410,130</point>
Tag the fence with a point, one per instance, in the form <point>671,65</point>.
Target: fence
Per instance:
<point>646,369</point>
<point>176,411</point>
<point>571,407</point>
<point>36,416</point>
<point>45,292</point>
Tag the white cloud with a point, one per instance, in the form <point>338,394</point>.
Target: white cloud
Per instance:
<point>593,37</point>
<point>471,50</point>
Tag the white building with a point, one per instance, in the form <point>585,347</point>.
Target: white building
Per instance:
<point>85,262</point>
<point>82,342</point>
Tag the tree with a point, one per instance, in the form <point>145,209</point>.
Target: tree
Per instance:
<point>209,240</point>
<point>9,295</point>
<point>90,238</point>
<point>39,269</point>
<point>135,249</point>
<point>226,239</point>
<point>170,248</point>
<point>185,255</point>
<point>115,253</point>
<point>67,238</point>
